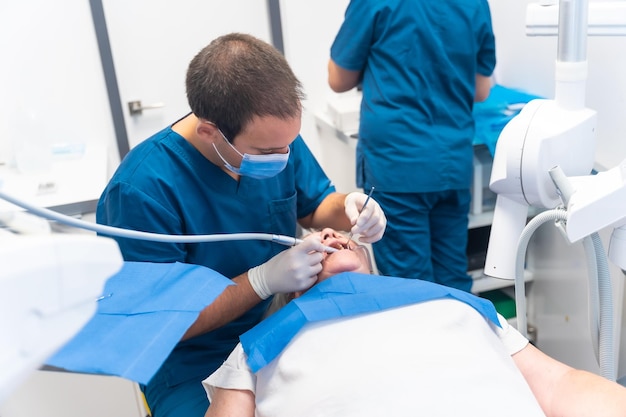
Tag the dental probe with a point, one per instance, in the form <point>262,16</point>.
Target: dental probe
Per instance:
<point>362,208</point>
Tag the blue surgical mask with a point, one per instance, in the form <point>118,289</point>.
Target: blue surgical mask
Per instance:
<point>256,166</point>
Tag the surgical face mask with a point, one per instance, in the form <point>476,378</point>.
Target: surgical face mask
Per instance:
<point>256,166</point>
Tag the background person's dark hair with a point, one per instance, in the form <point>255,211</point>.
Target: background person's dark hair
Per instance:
<point>237,77</point>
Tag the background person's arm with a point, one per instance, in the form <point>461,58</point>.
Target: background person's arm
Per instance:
<point>341,79</point>
<point>565,391</point>
<point>483,88</point>
<point>231,403</point>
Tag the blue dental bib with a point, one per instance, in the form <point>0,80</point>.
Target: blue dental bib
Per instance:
<point>344,295</point>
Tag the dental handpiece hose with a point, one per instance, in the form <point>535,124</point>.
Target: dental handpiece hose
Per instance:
<point>154,237</point>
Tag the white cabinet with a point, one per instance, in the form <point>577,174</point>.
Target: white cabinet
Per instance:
<point>65,394</point>
<point>70,183</point>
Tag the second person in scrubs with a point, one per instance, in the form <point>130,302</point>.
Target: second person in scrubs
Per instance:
<point>421,64</point>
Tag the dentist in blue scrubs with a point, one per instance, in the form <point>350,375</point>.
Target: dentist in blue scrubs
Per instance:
<point>236,163</point>
<point>421,64</point>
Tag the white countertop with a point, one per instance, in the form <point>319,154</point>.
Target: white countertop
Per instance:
<point>70,184</point>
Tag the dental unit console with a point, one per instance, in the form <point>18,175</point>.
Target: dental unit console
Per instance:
<point>549,134</point>
<point>49,287</point>
<point>543,135</point>
<point>597,202</point>
<point>544,158</point>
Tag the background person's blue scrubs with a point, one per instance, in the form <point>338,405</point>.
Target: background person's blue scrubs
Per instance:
<point>419,61</point>
<point>164,185</point>
<point>416,217</point>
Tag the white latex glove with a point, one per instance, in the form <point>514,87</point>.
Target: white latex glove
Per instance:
<point>368,222</point>
<point>294,269</point>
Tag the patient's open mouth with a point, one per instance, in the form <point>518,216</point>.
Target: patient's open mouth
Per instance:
<point>336,243</point>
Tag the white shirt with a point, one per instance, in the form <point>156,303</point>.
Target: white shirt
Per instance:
<point>436,358</point>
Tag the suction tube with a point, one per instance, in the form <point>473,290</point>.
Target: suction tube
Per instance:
<point>601,279</point>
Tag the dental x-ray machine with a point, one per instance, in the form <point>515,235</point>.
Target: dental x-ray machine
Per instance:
<point>544,158</point>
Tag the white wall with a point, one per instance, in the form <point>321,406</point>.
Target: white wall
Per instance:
<point>151,62</point>
<point>52,88</point>
<point>308,30</point>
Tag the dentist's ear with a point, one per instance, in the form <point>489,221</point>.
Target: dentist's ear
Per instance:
<point>207,130</point>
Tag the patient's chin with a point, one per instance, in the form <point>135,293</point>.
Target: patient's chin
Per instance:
<point>342,261</point>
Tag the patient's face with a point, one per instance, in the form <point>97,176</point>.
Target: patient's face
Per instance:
<point>355,258</point>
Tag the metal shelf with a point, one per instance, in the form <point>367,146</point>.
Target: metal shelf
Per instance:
<point>480,220</point>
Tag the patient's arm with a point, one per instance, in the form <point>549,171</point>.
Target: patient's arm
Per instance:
<point>231,403</point>
<point>565,391</point>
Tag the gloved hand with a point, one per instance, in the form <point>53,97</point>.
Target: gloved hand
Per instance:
<point>368,222</point>
<point>294,269</point>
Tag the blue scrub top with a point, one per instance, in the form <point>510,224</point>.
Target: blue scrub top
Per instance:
<point>164,185</point>
<point>419,67</point>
